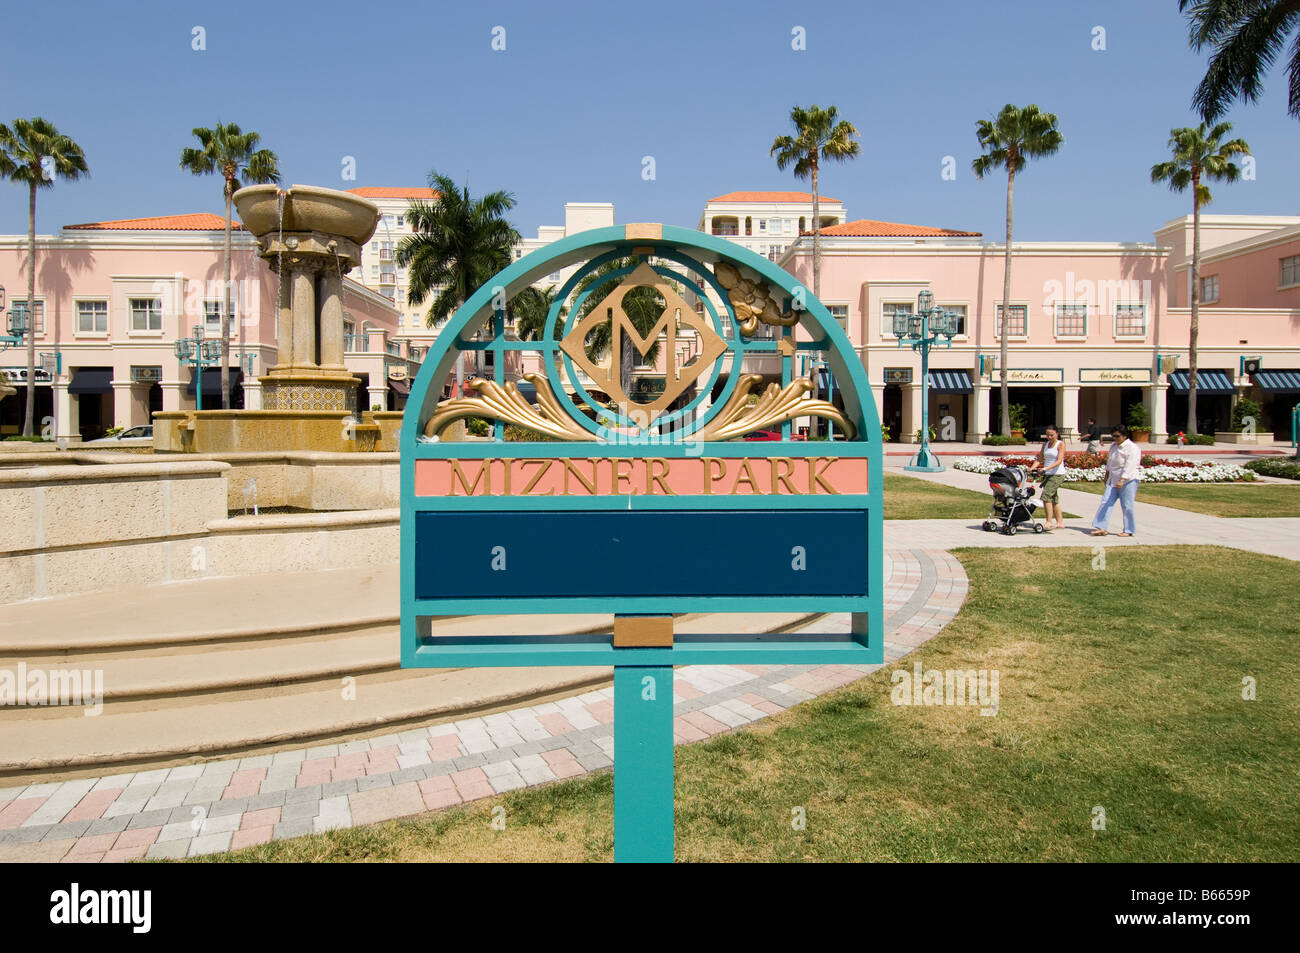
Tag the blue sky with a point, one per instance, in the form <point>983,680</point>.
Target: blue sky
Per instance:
<point>584,90</point>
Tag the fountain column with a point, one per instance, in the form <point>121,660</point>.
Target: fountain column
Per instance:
<point>284,319</point>
<point>331,322</point>
<point>304,316</point>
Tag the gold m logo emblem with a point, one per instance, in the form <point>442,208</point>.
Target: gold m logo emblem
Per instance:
<point>680,325</point>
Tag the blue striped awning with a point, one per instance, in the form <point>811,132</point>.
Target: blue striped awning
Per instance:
<point>1274,381</point>
<point>950,382</point>
<point>1207,382</point>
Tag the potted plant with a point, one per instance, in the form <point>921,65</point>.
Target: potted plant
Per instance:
<point>916,435</point>
<point>1019,415</point>
<point>1138,420</point>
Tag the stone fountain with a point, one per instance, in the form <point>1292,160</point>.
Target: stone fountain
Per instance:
<point>311,237</point>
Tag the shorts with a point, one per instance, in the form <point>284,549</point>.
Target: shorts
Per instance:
<point>1050,486</point>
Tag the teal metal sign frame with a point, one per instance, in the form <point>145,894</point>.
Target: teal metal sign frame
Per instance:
<point>524,536</point>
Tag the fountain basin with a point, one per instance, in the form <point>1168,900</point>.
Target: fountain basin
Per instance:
<point>307,208</point>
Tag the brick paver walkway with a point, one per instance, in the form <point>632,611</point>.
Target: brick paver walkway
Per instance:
<point>224,805</point>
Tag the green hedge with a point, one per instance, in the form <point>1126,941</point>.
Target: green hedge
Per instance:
<point>1288,468</point>
<point>997,440</point>
<point>1193,440</point>
<point>21,439</point>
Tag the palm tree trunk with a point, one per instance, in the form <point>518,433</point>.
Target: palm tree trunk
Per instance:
<point>1006,306</point>
<point>30,418</point>
<point>1196,304</point>
<point>817,235</point>
<point>225,318</point>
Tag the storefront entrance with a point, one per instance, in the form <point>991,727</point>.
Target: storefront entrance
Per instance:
<point>891,412</point>
<point>1039,404</point>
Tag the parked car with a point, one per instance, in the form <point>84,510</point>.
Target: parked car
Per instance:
<point>141,436</point>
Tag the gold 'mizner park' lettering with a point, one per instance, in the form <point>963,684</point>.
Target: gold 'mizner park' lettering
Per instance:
<point>816,474</point>
<point>652,476</point>
<point>541,471</point>
<point>484,475</point>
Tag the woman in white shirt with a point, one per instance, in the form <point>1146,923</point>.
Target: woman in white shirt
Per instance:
<point>1121,483</point>
<point>1051,464</point>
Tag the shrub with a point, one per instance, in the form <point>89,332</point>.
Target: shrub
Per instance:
<point>1193,440</point>
<point>998,440</point>
<point>516,434</point>
<point>1287,468</point>
<point>1138,417</point>
<point>21,439</point>
<point>113,431</point>
<point>1246,408</point>
<point>477,427</point>
<point>1019,415</point>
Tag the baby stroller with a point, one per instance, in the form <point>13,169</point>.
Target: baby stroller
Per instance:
<point>1013,501</point>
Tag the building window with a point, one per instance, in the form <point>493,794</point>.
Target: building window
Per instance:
<point>92,317</point>
<point>749,226</point>
<point>840,312</point>
<point>1017,323</point>
<point>892,309</point>
<point>1130,320</point>
<point>1210,288</point>
<point>1290,271</point>
<point>374,271</point>
<point>959,323</point>
<point>1071,320</point>
<point>146,314</point>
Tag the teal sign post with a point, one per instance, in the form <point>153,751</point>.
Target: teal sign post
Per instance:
<point>592,494</point>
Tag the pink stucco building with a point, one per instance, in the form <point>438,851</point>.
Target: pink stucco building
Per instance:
<point>112,298</point>
<point>1093,327</point>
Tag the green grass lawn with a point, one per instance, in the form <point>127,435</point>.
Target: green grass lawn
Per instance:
<point>1120,688</point>
<point>1215,499</point>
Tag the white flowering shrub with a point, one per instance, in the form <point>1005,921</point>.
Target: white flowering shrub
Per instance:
<point>1197,473</point>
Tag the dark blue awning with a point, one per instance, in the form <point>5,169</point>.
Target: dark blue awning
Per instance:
<point>951,382</point>
<point>1207,382</point>
<point>1275,381</point>
<point>91,380</point>
<point>212,380</point>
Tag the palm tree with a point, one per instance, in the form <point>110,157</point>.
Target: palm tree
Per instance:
<point>529,309</point>
<point>29,151</point>
<point>1246,38</point>
<point>233,155</point>
<point>458,245</point>
<point>817,137</point>
<point>1009,140</point>
<point>1198,155</point>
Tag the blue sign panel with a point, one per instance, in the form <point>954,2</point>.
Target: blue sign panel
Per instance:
<point>814,553</point>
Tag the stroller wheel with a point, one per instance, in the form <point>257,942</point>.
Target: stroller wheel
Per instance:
<point>988,526</point>
<point>1038,527</point>
<point>1009,529</point>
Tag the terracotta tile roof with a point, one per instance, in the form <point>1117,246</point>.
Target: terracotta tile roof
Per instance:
<point>868,228</point>
<point>196,222</point>
<point>392,192</point>
<point>769,197</point>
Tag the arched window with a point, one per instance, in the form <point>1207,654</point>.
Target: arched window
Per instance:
<point>749,225</point>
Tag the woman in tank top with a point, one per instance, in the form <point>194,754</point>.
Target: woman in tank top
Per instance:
<point>1051,464</point>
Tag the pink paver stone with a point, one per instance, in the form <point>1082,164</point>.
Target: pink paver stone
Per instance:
<point>686,689</point>
<point>685,731</point>
<point>141,837</point>
<point>266,817</point>
<point>440,799</point>
<point>559,756</point>
<point>442,782</point>
<point>91,807</point>
<point>95,844</point>
<point>121,856</point>
<point>18,811</point>
<point>710,726</point>
<point>555,723</point>
<point>250,837</point>
<point>351,771</point>
<point>567,769</point>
